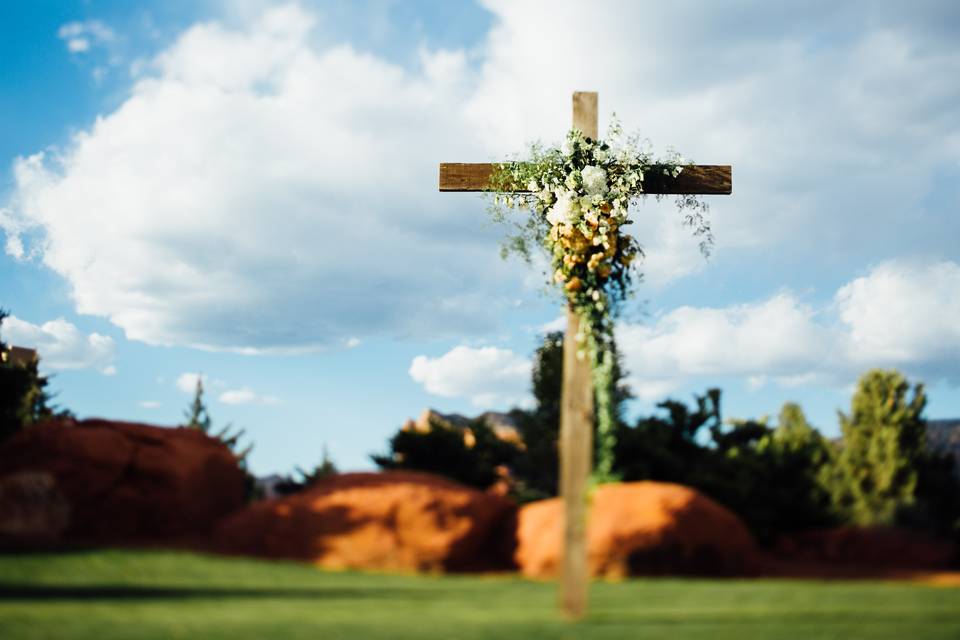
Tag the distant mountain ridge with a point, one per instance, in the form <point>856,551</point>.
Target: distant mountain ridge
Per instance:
<point>502,424</point>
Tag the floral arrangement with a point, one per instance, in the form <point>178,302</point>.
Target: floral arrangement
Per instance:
<point>578,197</point>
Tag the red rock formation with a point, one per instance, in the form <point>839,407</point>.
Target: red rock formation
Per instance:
<point>122,482</point>
<point>397,521</point>
<point>503,426</point>
<point>639,528</point>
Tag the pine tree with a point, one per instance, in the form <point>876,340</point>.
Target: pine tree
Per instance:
<point>196,414</point>
<point>199,418</point>
<point>537,469</point>
<point>874,475</point>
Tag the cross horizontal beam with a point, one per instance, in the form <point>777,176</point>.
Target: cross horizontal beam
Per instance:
<point>701,179</point>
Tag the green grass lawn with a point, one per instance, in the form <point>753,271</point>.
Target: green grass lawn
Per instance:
<point>135,594</point>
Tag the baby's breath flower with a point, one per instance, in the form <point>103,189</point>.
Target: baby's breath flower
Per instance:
<point>580,193</point>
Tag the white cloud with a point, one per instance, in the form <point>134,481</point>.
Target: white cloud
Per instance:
<point>490,377</point>
<point>150,404</point>
<point>774,338</point>
<point>904,313</point>
<point>187,382</point>
<point>246,395</point>
<point>81,36</point>
<point>557,324</point>
<point>220,188</point>
<point>815,109</point>
<point>900,314</point>
<point>352,342</point>
<point>12,228</point>
<point>251,175</point>
<point>61,345</point>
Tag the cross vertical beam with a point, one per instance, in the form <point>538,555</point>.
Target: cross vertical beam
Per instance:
<point>576,430</point>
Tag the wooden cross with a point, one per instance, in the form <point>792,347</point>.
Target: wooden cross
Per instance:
<point>576,407</point>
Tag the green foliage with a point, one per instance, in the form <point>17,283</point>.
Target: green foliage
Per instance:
<point>534,468</point>
<point>874,473</point>
<point>537,469</point>
<point>765,469</point>
<point>746,465</point>
<point>324,469</point>
<point>882,473</point>
<point>666,448</point>
<point>196,414</point>
<point>779,479</point>
<point>471,455</point>
<point>198,417</point>
<point>24,399</point>
<point>579,195</point>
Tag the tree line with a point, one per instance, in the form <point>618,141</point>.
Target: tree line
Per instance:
<point>778,476</point>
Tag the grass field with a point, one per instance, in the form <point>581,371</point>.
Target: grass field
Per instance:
<point>128,594</point>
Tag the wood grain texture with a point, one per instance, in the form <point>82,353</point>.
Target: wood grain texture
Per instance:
<point>464,176</point>
<point>703,179</point>
<point>576,432</point>
<point>585,113</point>
<point>576,456</point>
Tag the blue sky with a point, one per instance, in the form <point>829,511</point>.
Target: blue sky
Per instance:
<point>247,191</point>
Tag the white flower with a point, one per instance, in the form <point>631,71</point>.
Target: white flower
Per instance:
<point>571,181</point>
<point>601,155</point>
<point>562,210</point>
<point>567,147</point>
<point>595,180</point>
<point>532,186</point>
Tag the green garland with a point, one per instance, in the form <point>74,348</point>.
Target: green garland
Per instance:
<point>578,197</point>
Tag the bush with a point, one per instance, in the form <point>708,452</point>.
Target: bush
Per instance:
<point>882,472</point>
<point>473,455</point>
<point>748,466</point>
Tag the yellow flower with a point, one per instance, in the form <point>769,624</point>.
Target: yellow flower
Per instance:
<point>575,242</point>
<point>575,284</point>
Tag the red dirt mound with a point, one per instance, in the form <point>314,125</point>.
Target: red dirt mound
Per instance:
<point>101,482</point>
<point>872,548</point>
<point>397,521</point>
<point>640,528</point>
